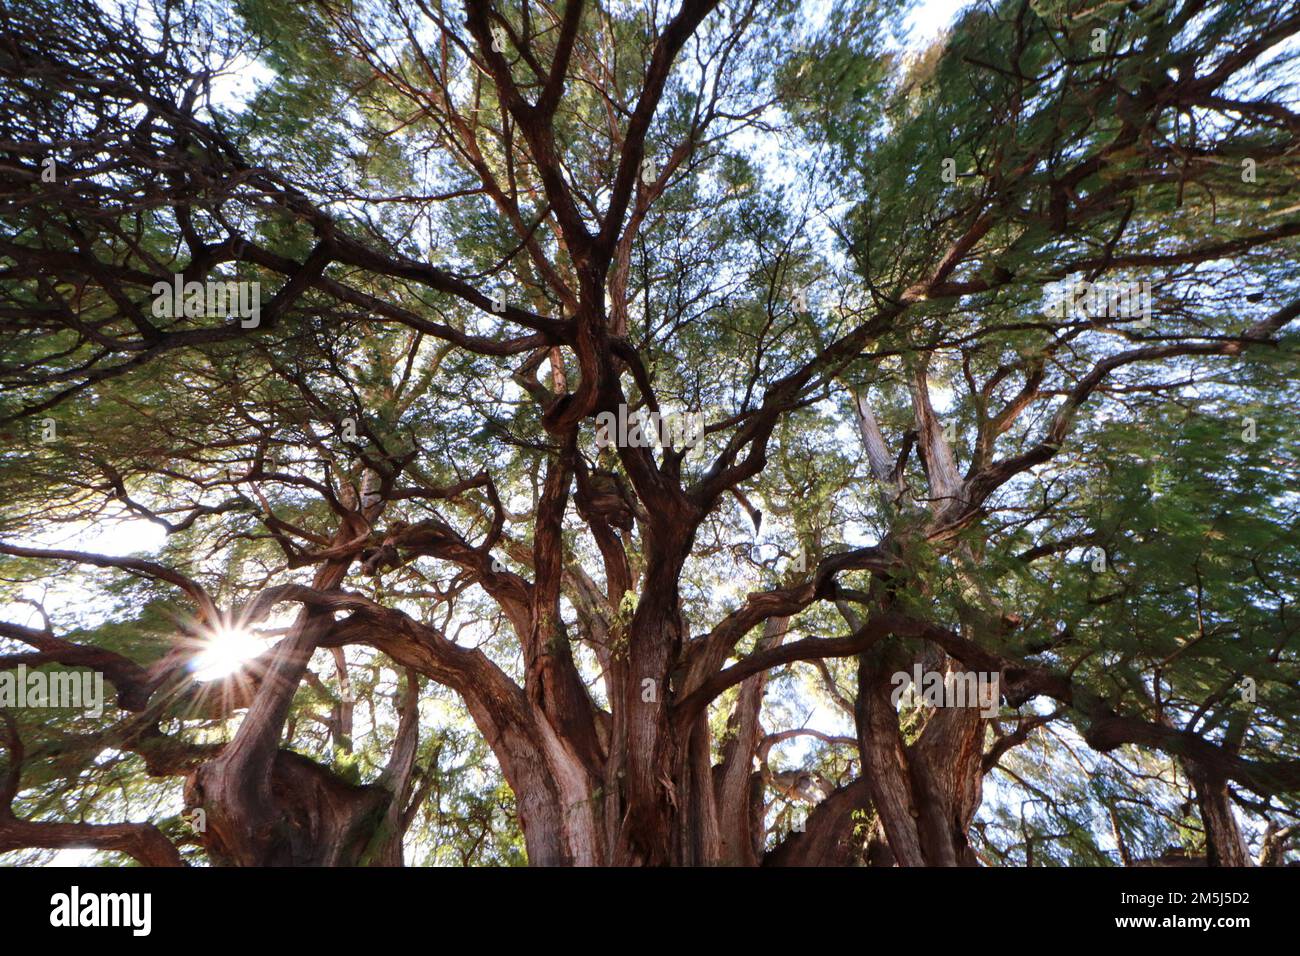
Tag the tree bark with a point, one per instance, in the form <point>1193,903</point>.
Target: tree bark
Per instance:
<point>1224,844</point>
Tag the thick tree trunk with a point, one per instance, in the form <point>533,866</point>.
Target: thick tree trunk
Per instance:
<point>740,837</point>
<point>947,777</point>
<point>660,781</point>
<point>829,837</point>
<point>925,794</point>
<point>884,762</point>
<point>555,795</point>
<point>654,757</point>
<point>1224,844</point>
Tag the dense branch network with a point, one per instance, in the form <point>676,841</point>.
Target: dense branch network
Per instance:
<point>379,459</point>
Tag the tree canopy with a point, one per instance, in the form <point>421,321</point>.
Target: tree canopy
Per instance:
<point>334,336</point>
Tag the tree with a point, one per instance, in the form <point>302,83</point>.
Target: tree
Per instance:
<point>970,360</point>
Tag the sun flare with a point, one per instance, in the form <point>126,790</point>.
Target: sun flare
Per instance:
<point>224,652</point>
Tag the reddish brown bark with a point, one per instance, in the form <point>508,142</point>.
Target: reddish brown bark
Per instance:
<point>1224,844</point>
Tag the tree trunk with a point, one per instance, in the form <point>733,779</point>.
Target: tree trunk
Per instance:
<point>925,794</point>
<point>661,786</point>
<point>829,836</point>
<point>1224,845</point>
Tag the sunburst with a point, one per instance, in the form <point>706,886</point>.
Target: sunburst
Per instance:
<point>223,651</point>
